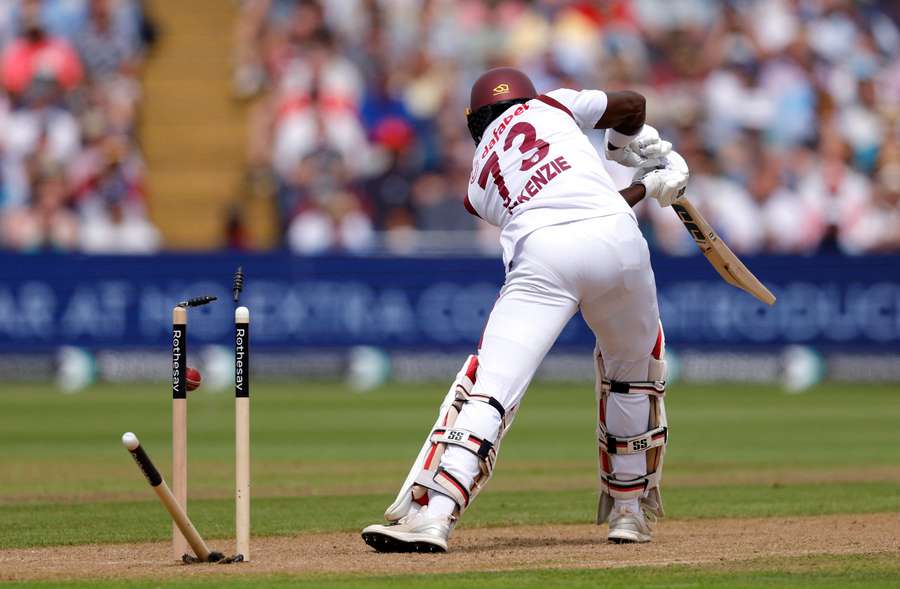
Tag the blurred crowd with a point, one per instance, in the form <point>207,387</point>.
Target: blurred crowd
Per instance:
<point>786,110</point>
<point>71,173</point>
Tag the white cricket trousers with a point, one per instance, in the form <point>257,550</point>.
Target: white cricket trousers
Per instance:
<point>600,266</point>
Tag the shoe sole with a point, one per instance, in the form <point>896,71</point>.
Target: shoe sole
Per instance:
<point>627,539</point>
<point>386,543</point>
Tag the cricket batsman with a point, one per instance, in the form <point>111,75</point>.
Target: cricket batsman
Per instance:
<point>570,243</point>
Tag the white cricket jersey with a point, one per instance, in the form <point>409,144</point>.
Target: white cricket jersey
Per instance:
<point>535,167</point>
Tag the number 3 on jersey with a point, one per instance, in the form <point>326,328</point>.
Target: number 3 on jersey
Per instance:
<point>529,143</point>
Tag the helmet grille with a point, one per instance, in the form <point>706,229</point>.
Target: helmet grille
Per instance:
<point>479,120</point>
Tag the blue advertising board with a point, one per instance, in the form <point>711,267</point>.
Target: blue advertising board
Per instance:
<point>831,302</point>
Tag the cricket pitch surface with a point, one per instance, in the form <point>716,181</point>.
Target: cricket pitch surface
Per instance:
<point>691,542</point>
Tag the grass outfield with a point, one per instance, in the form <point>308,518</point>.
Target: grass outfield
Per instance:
<point>326,459</point>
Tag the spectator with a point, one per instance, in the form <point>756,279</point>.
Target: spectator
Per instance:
<point>318,102</point>
<point>40,129</point>
<point>837,192</point>
<point>878,231</point>
<point>35,53</point>
<point>49,224</point>
<point>438,205</point>
<point>328,213</point>
<point>791,224</point>
<point>105,49</point>
<point>110,197</point>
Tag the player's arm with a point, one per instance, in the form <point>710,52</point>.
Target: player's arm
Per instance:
<point>629,141</point>
<point>634,194</point>
<point>474,194</point>
<point>625,113</point>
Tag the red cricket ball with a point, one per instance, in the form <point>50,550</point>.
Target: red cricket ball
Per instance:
<point>193,379</point>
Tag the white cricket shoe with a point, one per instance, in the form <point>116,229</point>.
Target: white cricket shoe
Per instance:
<point>627,526</point>
<point>416,533</point>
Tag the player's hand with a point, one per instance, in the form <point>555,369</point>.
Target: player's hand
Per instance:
<point>645,149</point>
<point>665,181</point>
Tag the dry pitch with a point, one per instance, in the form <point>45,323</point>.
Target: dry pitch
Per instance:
<point>744,509</point>
<point>706,542</point>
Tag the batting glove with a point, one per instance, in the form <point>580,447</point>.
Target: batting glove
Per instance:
<point>664,181</point>
<point>644,149</point>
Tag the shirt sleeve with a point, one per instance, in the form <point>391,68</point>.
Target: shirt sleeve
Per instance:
<point>470,198</point>
<point>586,106</point>
<point>468,204</point>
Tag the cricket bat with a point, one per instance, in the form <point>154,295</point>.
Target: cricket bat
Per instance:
<point>719,254</point>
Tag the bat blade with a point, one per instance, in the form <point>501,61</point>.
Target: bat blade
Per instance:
<point>719,255</point>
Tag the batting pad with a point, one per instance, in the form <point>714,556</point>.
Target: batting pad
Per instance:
<point>651,444</point>
<point>426,472</point>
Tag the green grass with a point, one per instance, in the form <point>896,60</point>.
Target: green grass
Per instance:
<point>321,438</point>
<point>327,459</point>
<point>47,524</point>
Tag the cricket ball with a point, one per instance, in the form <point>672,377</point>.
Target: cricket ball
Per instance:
<point>192,379</point>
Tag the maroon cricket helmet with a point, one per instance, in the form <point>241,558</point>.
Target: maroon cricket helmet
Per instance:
<point>494,92</point>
